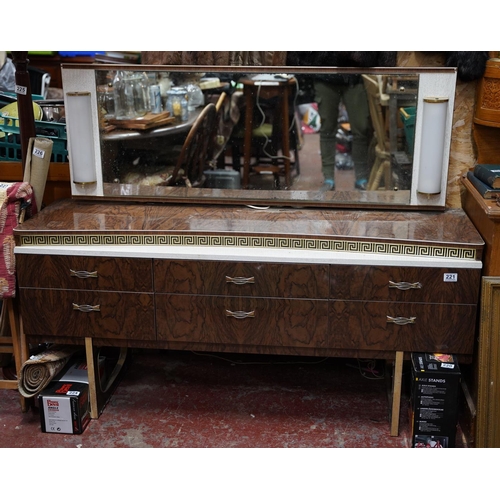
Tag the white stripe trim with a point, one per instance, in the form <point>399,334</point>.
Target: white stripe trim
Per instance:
<point>249,255</point>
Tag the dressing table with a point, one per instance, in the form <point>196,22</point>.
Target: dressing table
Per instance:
<point>313,274</point>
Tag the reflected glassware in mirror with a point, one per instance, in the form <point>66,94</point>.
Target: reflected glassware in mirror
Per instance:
<point>195,96</point>
<point>341,128</point>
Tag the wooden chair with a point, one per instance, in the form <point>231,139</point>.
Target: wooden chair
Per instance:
<point>192,161</point>
<point>272,102</point>
<point>218,140</point>
<point>382,165</point>
<point>10,343</point>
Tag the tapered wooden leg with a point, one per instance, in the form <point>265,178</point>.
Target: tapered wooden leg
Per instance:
<point>101,390</point>
<point>396,393</point>
<point>89,353</point>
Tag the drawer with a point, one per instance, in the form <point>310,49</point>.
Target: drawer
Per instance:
<point>241,279</point>
<point>254,322</point>
<point>405,284</point>
<point>84,273</point>
<point>120,315</point>
<point>437,327</point>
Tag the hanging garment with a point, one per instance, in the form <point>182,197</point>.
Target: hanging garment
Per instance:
<point>17,200</point>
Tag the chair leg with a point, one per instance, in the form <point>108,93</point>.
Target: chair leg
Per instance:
<point>382,168</point>
<point>388,183</point>
<point>373,174</point>
<point>13,318</point>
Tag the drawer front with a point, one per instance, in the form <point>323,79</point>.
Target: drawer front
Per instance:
<point>241,279</point>
<point>435,328</point>
<point>84,273</point>
<point>242,321</point>
<point>405,284</point>
<point>120,315</point>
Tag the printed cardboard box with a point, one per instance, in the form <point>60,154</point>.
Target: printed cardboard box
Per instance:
<point>64,407</point>
<point>65,403</point>
<point>434,399</point>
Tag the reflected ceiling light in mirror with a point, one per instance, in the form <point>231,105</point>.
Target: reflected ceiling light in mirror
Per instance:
<point>81,143</point>
<point>430,174</point>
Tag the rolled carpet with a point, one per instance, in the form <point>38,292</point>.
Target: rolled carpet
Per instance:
<point>38,371</point>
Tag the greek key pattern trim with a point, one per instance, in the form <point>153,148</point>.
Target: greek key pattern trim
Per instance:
<point>251,242</point>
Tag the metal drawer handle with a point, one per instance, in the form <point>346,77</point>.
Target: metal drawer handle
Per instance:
<point>401,321</point>
<point>83,274</point>
<point>404,285</point>
<point>239,280</point>
<point>86,308</point>
<point>240,314</point>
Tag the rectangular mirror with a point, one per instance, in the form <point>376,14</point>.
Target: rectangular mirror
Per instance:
<point>263,136</point>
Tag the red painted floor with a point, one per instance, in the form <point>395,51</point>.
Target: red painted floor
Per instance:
<point>172,399</point>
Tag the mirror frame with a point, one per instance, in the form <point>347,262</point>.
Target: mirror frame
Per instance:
<point>433,82</point>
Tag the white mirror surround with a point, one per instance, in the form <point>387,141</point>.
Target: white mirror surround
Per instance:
<point>432,83</point>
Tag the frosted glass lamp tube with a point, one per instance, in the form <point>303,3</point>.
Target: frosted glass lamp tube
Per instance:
<point>435,111</point>
<point>80,137</point>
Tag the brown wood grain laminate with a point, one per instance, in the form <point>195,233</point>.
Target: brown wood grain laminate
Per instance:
<point>77,272</point>
<point>363,325</point>
<point>69,217</point>
<point>274,322</point>
<point>121,315</point>
<point>374,283</point>
<point>242,279</point>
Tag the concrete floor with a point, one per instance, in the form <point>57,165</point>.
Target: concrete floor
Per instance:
<point>170,399</point>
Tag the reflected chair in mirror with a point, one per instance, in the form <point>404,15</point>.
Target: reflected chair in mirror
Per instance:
<point>269,133</point>
<point>220,136</point>
<point>193,159</point>
<point>382,165</point>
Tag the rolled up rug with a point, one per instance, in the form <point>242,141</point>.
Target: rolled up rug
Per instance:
<point>38,371</point>
<point>37,165</point>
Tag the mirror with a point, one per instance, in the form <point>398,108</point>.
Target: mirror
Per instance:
<point>264,136</point>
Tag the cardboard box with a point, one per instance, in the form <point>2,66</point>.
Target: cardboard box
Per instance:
<point>65,403</point>
<point>77,371</point>
<point>65,407</point>
<point>434,400</point>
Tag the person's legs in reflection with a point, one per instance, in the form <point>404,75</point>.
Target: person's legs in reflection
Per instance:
<point>356,103</point>
<point>328,97</point>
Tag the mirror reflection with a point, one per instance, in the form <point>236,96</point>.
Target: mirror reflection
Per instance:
<point>343,136</point>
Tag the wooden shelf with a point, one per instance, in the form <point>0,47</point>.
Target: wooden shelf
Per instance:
<point>58,180</point>
<point>12,171</point>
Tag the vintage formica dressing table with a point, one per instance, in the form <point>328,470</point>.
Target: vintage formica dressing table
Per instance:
<point>369,274</point>
<point>346,283</point>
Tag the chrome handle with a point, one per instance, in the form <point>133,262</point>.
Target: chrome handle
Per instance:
<point>239,280</point>
<point>86,308</point>
<point>240,314</point>
<point>83,274</point>
<point>401,321</point>
<point>404,285</point>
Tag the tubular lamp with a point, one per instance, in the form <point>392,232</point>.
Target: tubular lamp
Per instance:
<point>81,142</point>
<point>435,111</point>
